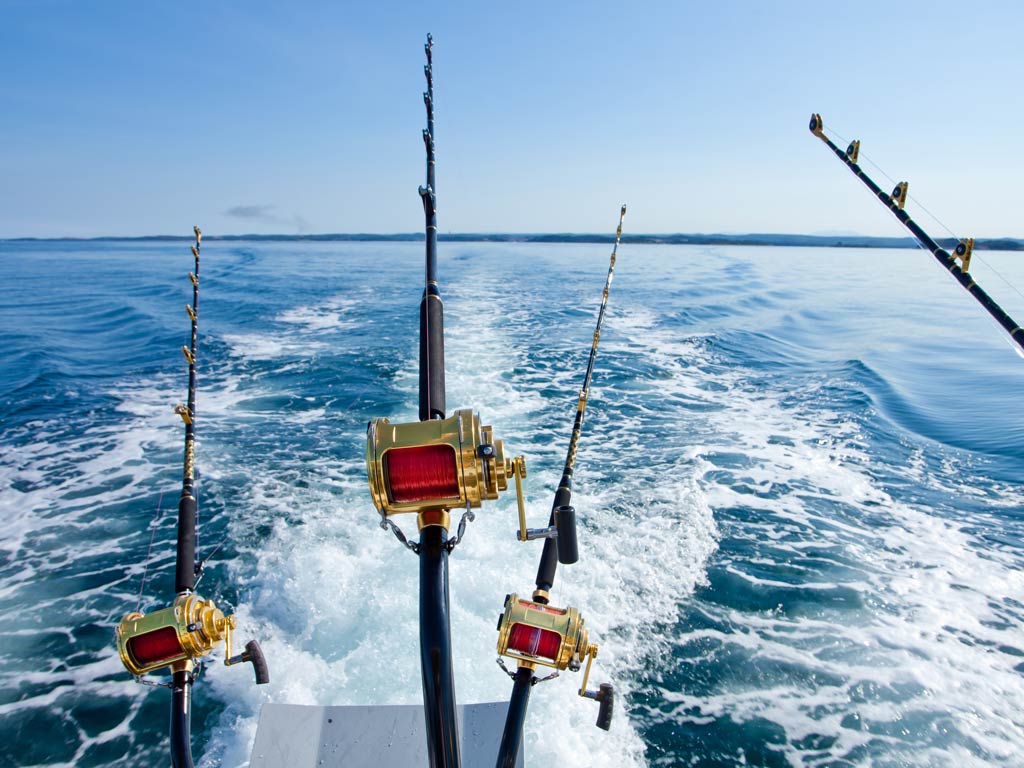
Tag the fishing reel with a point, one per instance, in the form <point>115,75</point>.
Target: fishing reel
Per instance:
<point>534,633</point>
<point>181,634</point>
<point>429,467</point>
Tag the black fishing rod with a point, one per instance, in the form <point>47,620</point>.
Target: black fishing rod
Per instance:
<point>560,546</point>
<point>563,547</point>
<point>439,706</point>
<point>421,467</point>
<point>431,307</point>
<point>180,635</point>
<point>185,561</point>
<point>895,202</point>
<point>439,464</point>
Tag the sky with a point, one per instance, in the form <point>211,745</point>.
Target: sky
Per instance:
<point>138,118</point>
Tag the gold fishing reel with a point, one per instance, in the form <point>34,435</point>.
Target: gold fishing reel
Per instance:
<point>534,633</point>
<point>430,467</point>
<point>181,634</point>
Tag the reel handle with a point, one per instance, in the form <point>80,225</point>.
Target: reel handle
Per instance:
<point>254,655</point>
<point>606,698</point>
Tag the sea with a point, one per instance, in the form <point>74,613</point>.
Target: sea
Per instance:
<point>798,487</point>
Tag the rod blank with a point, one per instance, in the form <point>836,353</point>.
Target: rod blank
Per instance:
<point>894,202</point>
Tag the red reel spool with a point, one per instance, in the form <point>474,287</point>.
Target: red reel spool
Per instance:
<point>161,645</point>
<point>421,473</point>
<point>535,641</point>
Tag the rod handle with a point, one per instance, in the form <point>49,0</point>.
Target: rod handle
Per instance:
<point>565,522</point>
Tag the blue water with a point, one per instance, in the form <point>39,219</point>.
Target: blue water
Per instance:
<point>802,524</point>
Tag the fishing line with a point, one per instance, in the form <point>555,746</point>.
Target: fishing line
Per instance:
<point>153,524</point>
<point>201,567</point>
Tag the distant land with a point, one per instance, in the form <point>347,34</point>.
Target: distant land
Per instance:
<point>817,241</point>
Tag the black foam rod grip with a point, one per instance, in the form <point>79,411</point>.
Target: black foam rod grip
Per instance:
<point>565,523</point>
<point>606,697</point>
<point>253,653</point>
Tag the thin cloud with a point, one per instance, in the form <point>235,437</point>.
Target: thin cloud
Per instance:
<point>251,212</point>
<point>269,215</point>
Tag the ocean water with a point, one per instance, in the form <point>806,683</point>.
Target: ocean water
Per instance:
<point>802,524</point>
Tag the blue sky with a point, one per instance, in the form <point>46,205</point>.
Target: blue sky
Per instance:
<point>131,118</point>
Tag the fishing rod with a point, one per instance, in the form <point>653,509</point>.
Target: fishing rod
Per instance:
<point>428,468</point>
<point>438,676</point>
<point>443,463</point>
<point>180,635</point>
<point>431,307</point>
<point>532,632</point>
<point>564,544</point>
<point>895,202</point>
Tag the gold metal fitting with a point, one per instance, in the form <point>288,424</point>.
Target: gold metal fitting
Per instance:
<point>442,464</point>
<point>194,279</point>
<point>191,312</point>
<point>199,234</point>
<point>187,630</point>
<point>429,517</point>
<point>817,126</point>
<point>899,194</point>
<point>188,355</point>
<point>539,634</point>
<point>853,151</point>
<point>182,410</point>
<point>963,251</point>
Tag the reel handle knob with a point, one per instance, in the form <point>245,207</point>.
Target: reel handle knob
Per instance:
<point>606,698</point>
<point>565,523</point>
<point>254,655</point>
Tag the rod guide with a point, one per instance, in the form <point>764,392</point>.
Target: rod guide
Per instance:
<point>899,194</point>
<point>963,251</point>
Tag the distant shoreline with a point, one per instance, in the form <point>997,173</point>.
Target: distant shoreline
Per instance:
<point>818,241</point>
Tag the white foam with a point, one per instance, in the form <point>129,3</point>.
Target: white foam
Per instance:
<point>339,619</point>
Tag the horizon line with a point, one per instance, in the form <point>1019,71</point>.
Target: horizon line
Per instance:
<point>762,239</point>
